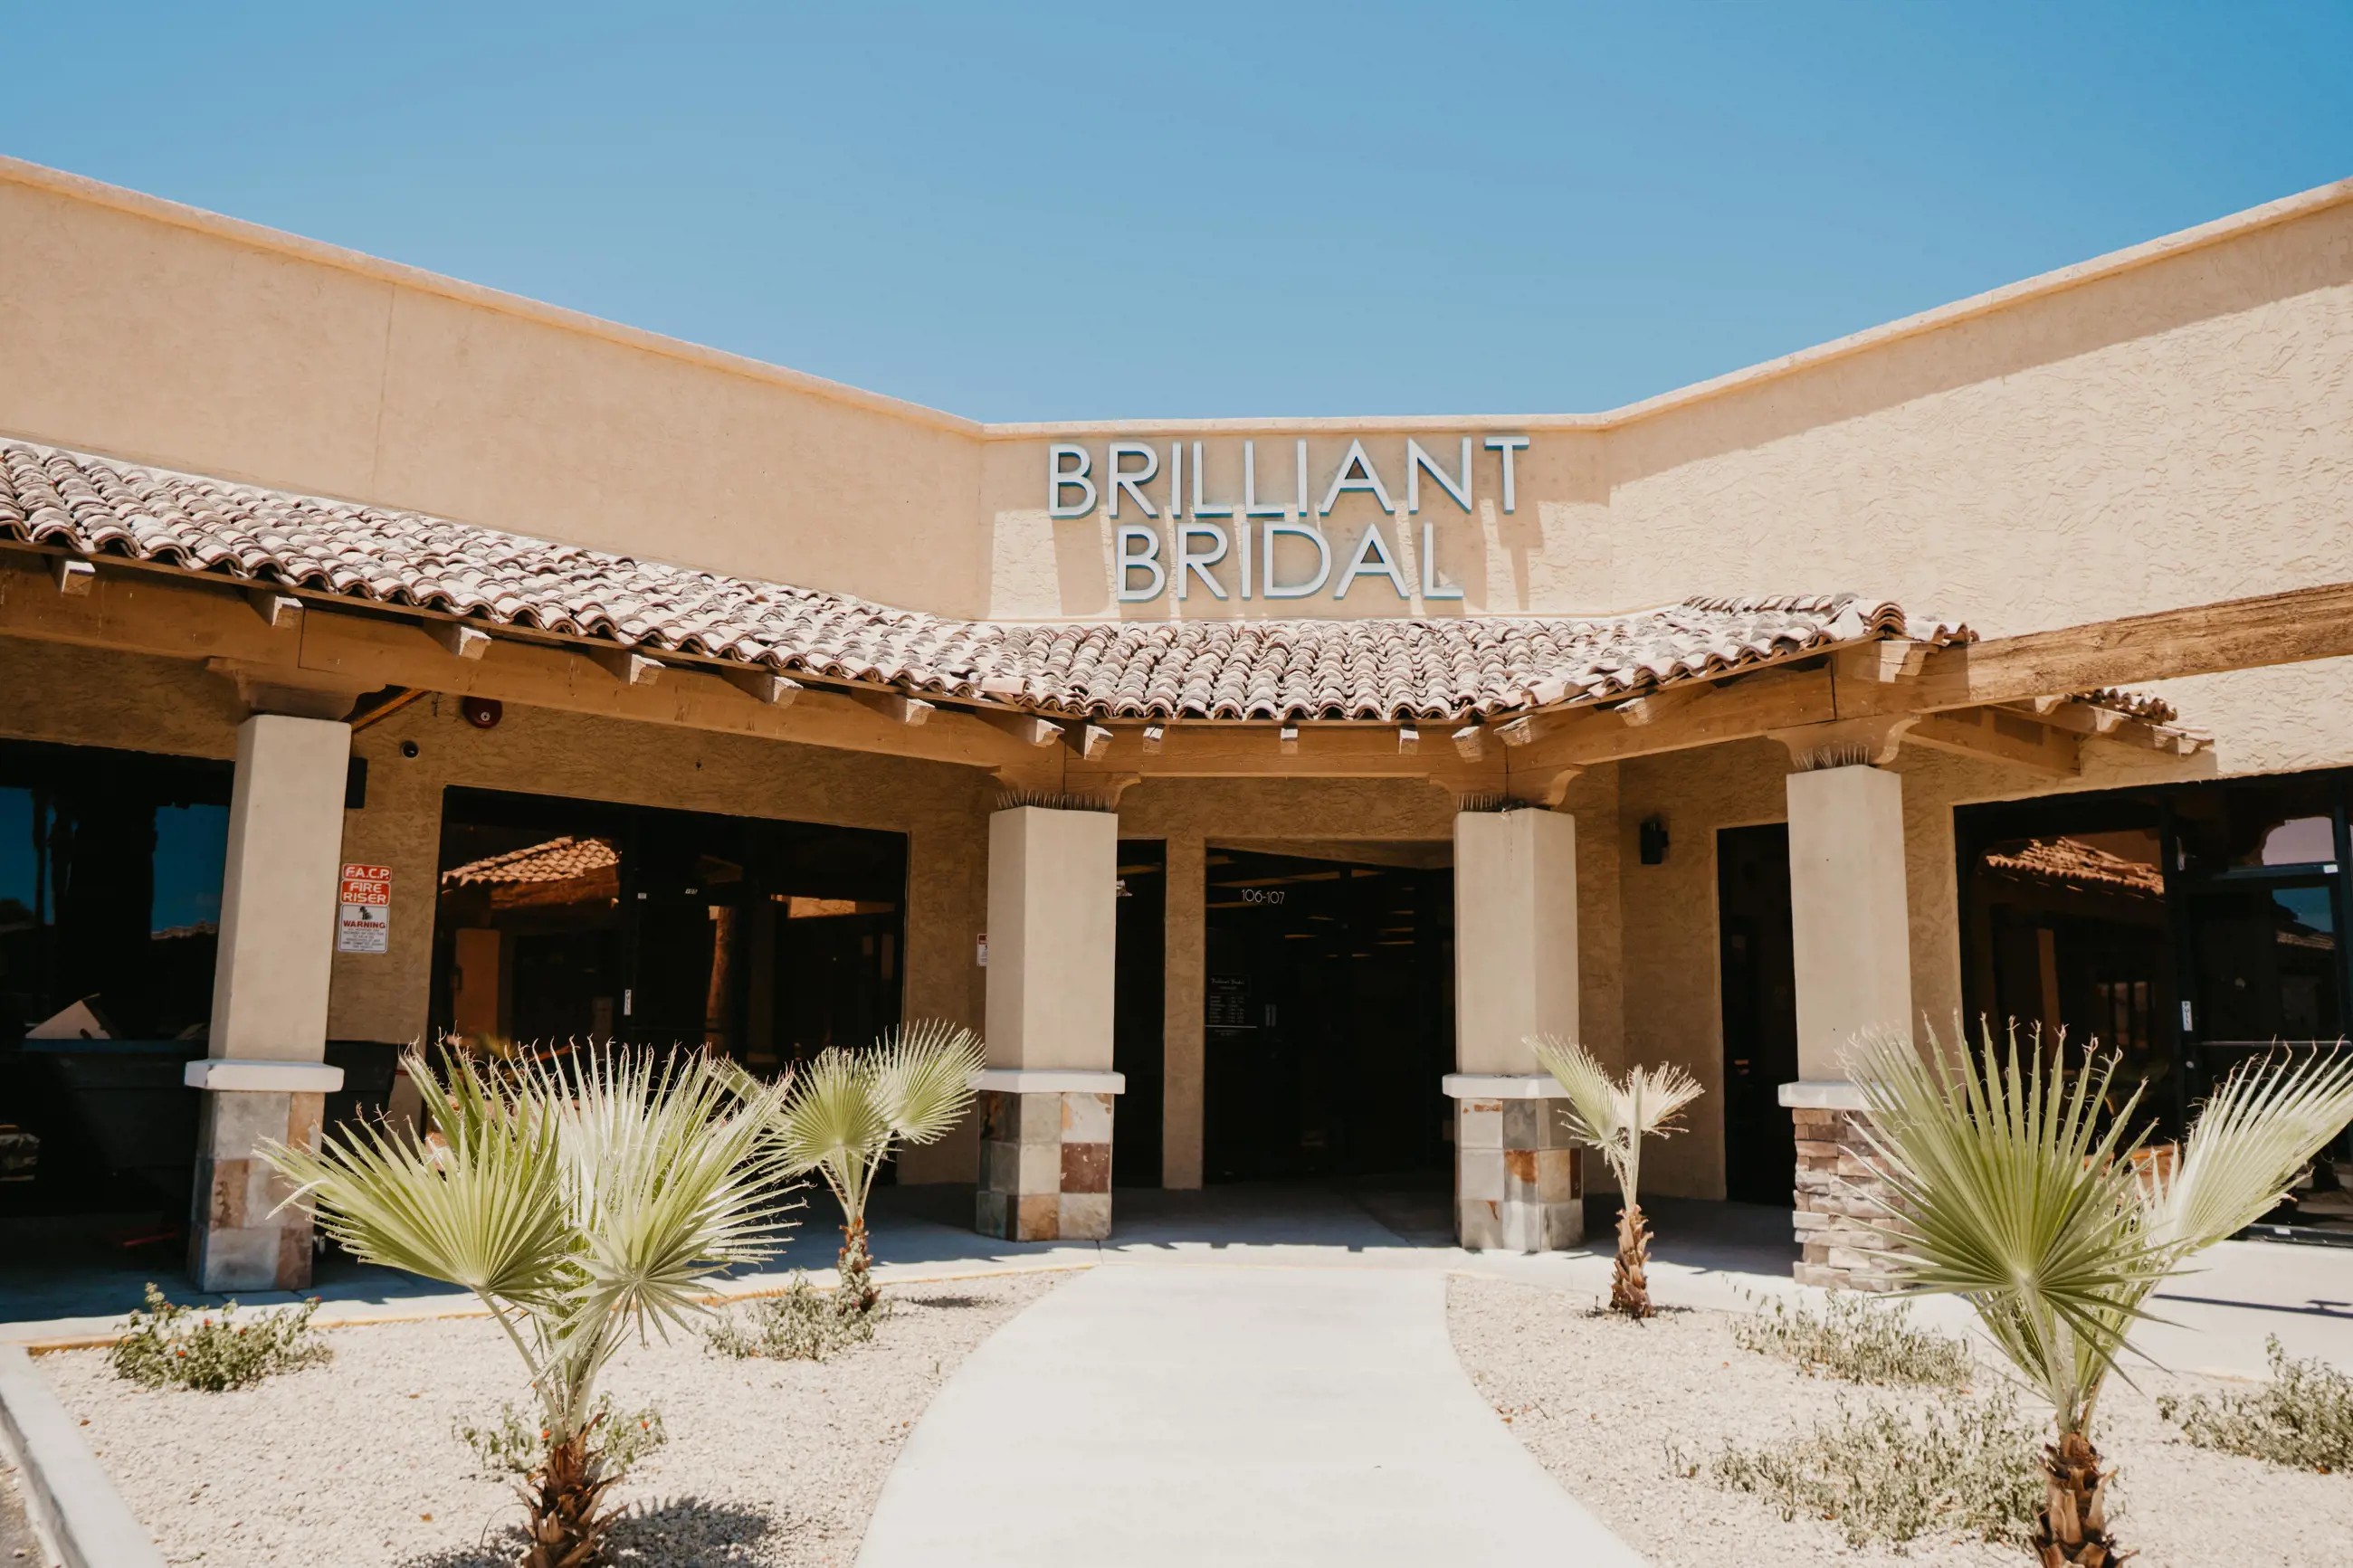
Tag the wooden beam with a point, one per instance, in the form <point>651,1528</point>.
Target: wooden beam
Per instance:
<point>2076,718</point>
<point>1726,711</point>
<point>1332,749</point>
<point>1286,741</point>
<point>1153,734</point>
<point>625,664</point>
<point>1409,739</point>
<point>174,616</point>
<point>1089,741</point>
<point>2292,627</point>
<point>2000,735</point>
<point>73,576</point>
<point>1470,742</point>
<point>1659,705</point>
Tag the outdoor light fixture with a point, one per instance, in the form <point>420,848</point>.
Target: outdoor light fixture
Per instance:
<point>1650,838</point>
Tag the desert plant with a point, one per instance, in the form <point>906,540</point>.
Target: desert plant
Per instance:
<point>2010,1187</point>
<point>581,1199</point>
<point>802,1323</point>
<point>170,1345</point>
<point>1883,1477</point>
<point>1613,1116</point>
<point>2302,1417</point>
<point>847,1109</point>
<point>516,1444</point>
<point>1856,1340</point>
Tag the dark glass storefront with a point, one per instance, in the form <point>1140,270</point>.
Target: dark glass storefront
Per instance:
<point>111,867</point>
<point>563,919</point>
<point>1329,1019</point>
<point>2186,927</point>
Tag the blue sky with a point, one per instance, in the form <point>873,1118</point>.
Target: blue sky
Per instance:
<point>1090,211</point>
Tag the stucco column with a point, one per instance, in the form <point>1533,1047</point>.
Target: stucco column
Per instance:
<point>1184,992</point>
<point>263,1075</point>
<point>1046,1096</point>
<point>1516,1182</point>
<point>1851,931</point>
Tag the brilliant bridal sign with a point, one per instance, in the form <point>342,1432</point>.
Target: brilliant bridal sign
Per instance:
<point>1269,538</point>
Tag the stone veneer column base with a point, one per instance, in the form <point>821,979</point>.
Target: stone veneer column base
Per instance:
<point>1517,1182</point>
<point>1045,1154</point>
<point>239,1238</point>
<point>1836,1186</point>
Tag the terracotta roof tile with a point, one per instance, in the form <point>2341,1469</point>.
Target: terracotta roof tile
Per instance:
<point>1439,667</point>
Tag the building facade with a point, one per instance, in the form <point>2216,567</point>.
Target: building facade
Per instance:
<point>383,657</point>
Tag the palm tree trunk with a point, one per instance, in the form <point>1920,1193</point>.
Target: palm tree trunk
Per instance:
<point>2074,1527</point>
<point>1630,1287</point>
<point>855,1264</point>
<point>565,1496</point>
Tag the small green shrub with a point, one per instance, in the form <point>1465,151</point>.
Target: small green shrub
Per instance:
<point>1856,1340</point>
<point>516,1444</point>
<point>804,1323</point>
<point>161,1348</point>
<point>1960,1467</point>
<point>2303,1417</point>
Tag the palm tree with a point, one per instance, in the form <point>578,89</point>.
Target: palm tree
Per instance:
<point>2008,1184</point>
<point>848,1109</point>
<point>1614,1115</point>
<point>581,1200</point>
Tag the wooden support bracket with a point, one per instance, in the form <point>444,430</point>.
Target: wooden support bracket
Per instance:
<point>626,666</point>
<point>460,640</point>
<point>763,685</point>
<point>1470,742</point>
<point>1026,728</point>
<point>74,576</point>
<point>896,706</point>
<point>276,609</point>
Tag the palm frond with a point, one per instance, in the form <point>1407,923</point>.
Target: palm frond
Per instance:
<point>831,1123</point>
<point>2006,1188</point>
<point>2254,1134</point>
<point>1613,1115</point>
<point>482,1208</point>
<point>923,1078</point>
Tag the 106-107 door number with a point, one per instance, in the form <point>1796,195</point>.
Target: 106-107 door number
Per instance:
<point>1262,895</point>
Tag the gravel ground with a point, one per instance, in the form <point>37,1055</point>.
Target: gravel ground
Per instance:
<point>1597,1400</point>
<point>354,1462</point>
<point>18,1544</point>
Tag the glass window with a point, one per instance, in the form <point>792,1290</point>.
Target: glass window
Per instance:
<point>2242,826</point>
<point>2267,961</point>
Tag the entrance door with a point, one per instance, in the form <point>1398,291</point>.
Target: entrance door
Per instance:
<point>1139,1023</point>
<point>1761,1011</point>
<point>1329,1018</point>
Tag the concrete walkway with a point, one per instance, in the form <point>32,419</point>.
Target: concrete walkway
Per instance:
<point>1226,1414</point>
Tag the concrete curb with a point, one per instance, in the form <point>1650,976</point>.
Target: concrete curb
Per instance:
<point>72,1501</point>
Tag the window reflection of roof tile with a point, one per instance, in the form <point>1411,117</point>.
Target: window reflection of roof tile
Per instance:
<point>1397,668</point>
<point>563,859</point>
<point>2075,864</point>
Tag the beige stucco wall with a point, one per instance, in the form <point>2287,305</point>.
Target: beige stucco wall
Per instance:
<point>2170,425</point>
<point>147,332</point>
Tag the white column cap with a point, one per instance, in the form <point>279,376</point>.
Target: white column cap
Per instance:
<point>1821,1094</point>
<point>1502,1085</point>
<point>1048,1080</point>
<point>263,1077</point>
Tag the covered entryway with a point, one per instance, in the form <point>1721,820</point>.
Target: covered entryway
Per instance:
<point>1329,1016</point>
